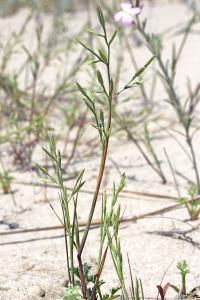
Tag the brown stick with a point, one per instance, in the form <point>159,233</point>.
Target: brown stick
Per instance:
<point>97,222</point>
<point>123,193</point>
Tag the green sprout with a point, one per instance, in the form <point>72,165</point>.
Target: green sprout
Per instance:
<point>5,181</point>
<point>182,266</point>
<point>193,205</point>
<point>184,270</point>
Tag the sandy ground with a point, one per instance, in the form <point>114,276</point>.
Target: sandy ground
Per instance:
<point>33,264</point>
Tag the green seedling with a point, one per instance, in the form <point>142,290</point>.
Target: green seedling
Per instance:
<point>182,291</point>
<point>193,204</point>
<point>182,266</point>
<point>6,181</point>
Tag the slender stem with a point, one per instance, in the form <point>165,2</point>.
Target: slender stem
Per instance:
<point>100,175</point>
<point>66,243</point>
<point>183,42</point>
<point>134,62</point>
<point>33,98</point>
<point>98,275</point>
<point>169,82</point>
<point>137,3</point>
<point>76,140</point>
<point>194,160</point>
<point>184,284</point>
<point>173,173</point>
<point>131,2</point>
<point>102,165</point>
<point>135,141</point>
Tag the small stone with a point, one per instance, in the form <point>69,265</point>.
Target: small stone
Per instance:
<point>65,283</point>
<point>13,225</point>
<point>42,293</point>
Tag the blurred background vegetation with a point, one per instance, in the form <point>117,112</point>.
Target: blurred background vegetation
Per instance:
<point>8,7</point>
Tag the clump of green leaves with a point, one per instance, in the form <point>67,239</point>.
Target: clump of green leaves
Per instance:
<point>91,280</point>
<point>72,293</point>
<point>193,204</point>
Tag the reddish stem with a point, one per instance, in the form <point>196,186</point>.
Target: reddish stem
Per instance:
<point>137,4</point>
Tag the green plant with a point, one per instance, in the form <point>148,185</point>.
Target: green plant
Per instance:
<point>193,204</point>
<point>12,6</point>
<point>131,122</point>
<point>27,104</point>
<point>69,202</point>
<point>101,112</point>
<point>6,181</point>
<point>5,178</point>
<point>72,293</point>
<point>181,291</point>
<point>184,109</point>
<point>136,288</point>
<point>147,150</point>
<point>151,149</point>
<point>182,266</point>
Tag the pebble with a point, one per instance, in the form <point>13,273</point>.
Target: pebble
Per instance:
<point>42,293</point>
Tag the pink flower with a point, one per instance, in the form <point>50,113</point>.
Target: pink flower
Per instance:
<point>127,14</point>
